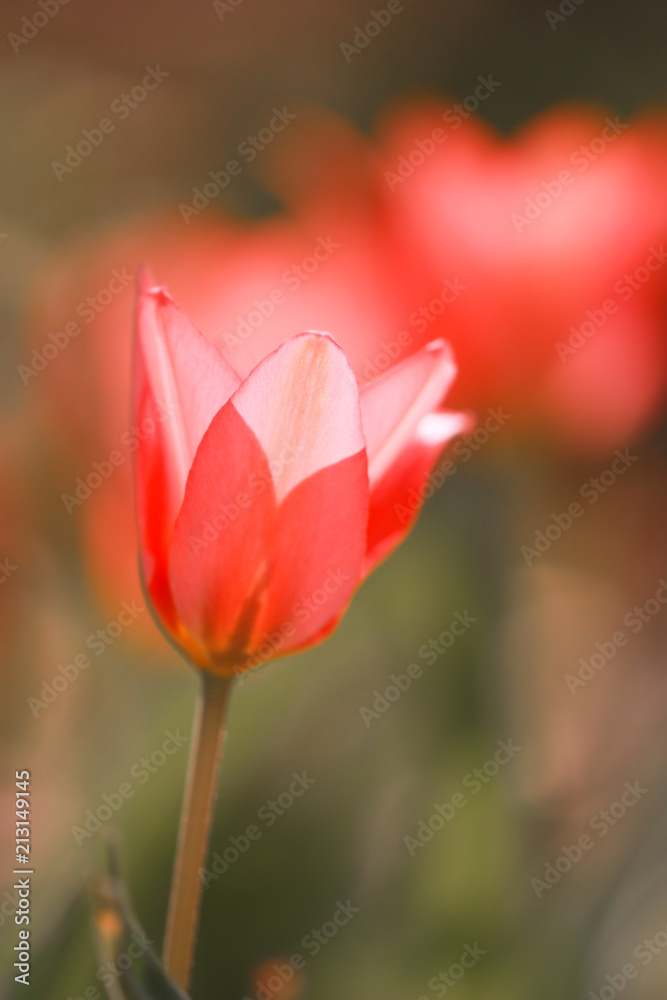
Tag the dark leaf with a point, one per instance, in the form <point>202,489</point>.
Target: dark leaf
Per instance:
<point>129,967</point>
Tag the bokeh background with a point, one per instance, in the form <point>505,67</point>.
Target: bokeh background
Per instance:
<point>533,260</point>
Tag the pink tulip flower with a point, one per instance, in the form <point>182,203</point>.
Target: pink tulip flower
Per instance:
<point>263,501</point>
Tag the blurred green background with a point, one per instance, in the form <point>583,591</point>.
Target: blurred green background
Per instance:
<point>503,680</point>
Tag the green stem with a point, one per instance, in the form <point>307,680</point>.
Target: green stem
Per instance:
<point>207,738</point>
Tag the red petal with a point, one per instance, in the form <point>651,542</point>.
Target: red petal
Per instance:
<point>186,373</point>
<point>393,404</point>
<point>397,498</point>
<point>259,568</point>
<point>302,403</point>
<point>221,540</point>
<point>318,550</point>
<point>180,382</point>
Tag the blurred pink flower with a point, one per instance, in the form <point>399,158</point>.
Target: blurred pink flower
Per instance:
<point>556,234</point>
<point>538,256</point>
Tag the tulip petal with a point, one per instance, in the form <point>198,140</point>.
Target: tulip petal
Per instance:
<point>220,546</point>
<point>318,550</point>
<point>187,374</point>
<point>396,498</point>
<point>302,403</point>
<point>393,404</point>
<point>243,565</point>
<point>181,381</point>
